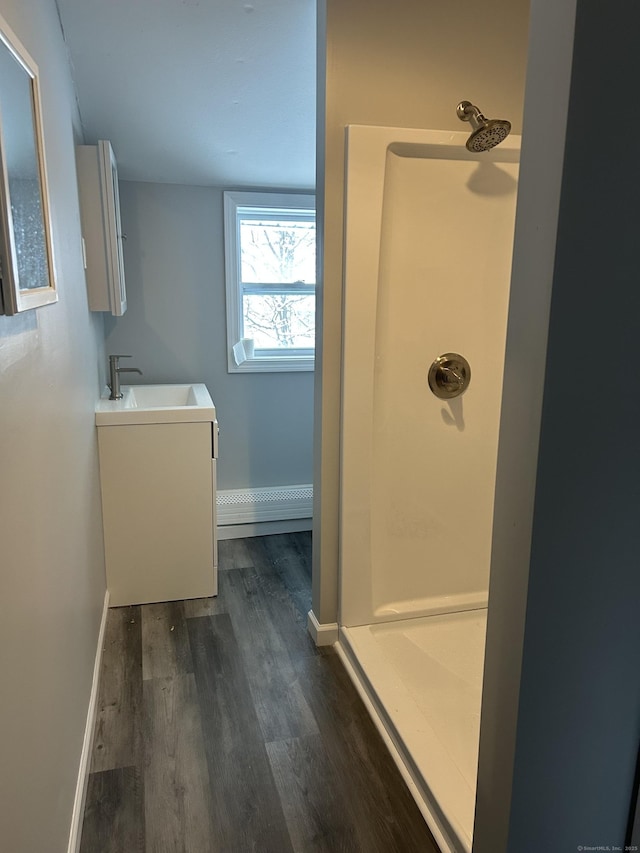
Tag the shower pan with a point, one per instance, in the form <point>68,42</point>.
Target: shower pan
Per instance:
<point>428,244</point>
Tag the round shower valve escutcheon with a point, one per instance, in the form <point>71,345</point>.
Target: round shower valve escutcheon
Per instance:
<point>449,375</point>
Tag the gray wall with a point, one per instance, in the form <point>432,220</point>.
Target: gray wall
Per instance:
<point>579,716</point>
<point>51,555</point>
<point>561,702</point>
<point>404,64</point>
<point>541,165</point>
<point>175,327</point>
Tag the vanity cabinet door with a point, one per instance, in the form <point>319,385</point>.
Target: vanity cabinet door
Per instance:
<point>101,227</point>
<point>157,511</point>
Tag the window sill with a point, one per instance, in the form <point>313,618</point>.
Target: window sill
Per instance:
<point>279,364</point>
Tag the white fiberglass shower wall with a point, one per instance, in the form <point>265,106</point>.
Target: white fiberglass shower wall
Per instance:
<point>429,237</point>
<point>428,245</point>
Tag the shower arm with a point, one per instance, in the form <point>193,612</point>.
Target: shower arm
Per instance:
<point>466,111</point>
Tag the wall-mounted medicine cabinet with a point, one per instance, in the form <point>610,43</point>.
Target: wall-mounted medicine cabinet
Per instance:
<point>101,227</point>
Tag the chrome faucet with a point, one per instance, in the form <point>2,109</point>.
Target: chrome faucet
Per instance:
<point>114,375</point>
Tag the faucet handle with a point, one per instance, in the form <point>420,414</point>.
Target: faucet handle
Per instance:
<point>114,357</point>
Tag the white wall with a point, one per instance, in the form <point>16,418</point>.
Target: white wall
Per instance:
<point>404,64</point>
<point>51,560</point>
<point>175,328</point>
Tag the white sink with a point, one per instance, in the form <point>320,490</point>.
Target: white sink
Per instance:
<point>156,404</point>
<point>161,396</point>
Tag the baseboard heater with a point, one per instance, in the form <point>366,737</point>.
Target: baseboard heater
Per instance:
<point>265,503</point>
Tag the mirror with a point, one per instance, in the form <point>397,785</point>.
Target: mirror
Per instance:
<point>26,258</point>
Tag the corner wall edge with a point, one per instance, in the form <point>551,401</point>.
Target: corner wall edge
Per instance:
<point>323,634</point>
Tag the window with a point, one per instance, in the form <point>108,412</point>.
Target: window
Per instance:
<point>270,260</point>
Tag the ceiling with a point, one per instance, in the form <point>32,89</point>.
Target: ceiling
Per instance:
<point>204,92</point>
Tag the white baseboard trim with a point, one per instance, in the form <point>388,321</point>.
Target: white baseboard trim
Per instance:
<point>264,528</point>
<point>323,634</point>
<point>264,503</point>
<point>87,743</point>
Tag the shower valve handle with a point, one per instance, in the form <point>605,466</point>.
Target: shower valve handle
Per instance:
<point>458,378</point>
<point>449,376</point>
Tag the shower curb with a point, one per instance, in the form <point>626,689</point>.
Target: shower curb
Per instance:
<point>413,779</point>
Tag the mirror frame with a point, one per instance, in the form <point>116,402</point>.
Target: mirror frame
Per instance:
<point>15,297</point>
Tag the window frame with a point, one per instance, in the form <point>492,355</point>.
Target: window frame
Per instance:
<point>270,360</point>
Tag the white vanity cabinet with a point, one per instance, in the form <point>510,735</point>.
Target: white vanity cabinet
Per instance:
<point>101,227</point>
<point>158,483</point>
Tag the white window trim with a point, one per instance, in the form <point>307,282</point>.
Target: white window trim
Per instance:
<point>264,363</point>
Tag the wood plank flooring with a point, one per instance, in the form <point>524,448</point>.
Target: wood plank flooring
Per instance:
<point>222,729</point>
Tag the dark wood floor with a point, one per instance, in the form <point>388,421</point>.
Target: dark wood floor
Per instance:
<point>222,729</point>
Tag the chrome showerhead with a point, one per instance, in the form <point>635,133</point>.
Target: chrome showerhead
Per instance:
<point>487,133</point>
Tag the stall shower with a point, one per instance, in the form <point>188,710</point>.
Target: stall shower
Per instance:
<point>429,235</point>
